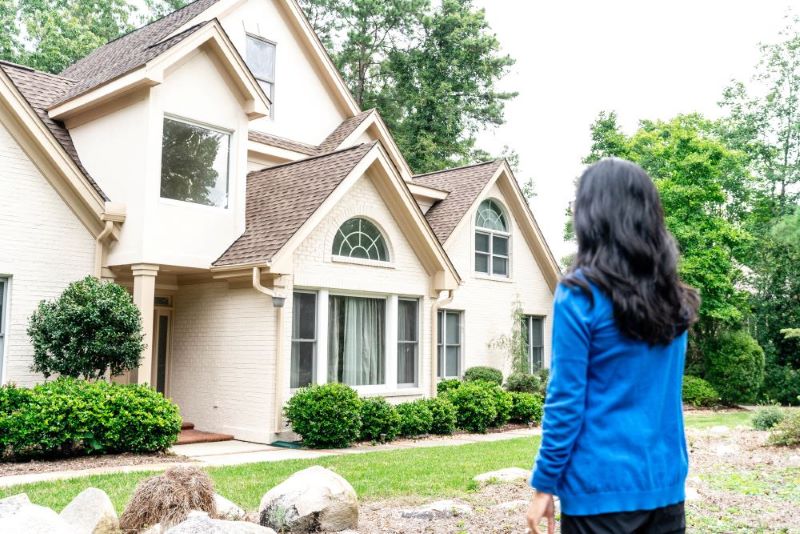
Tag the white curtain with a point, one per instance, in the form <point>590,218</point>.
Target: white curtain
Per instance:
<point>356,340</point>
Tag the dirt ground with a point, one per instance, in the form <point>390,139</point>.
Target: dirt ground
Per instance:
<point>87,462</point>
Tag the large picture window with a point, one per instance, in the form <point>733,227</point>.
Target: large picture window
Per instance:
<point>533,331</point>
<point>261,61</point>
<point>407,341</point>
<point>356,340</point>
<point>194,163</point>
<point>359,238</point>
<point>491,240</point>
<point>449,344</point>
<point>304,339</point>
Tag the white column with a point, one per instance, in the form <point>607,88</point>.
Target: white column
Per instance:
<point>144,291</point>
<point>391,342</point>
<point>322,336</point>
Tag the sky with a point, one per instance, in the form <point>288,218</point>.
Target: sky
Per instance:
<point>643,59</point>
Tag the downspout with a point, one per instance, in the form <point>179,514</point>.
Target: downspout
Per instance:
<point>277,303</point>
<point>99,249</point>
<point>438,303</point>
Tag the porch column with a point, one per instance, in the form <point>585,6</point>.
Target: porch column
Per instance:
<point>144,290</point>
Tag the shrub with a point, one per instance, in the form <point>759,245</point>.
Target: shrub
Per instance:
<point>475,406</point>
<point>68,417</point>
<point>503,403</point>
<point>523,382</point>
<point>735,366</point>
<point>379,420</point>
<point>444,416</point>
<point>698,392</point>
<point>446,385</point>
<point>485,374</point>
<point>787,432</point>
<point>92,328</point>
<point>327,415</point>
<point>416,418</point>
<point>527,407</point>
<point>781,383</point>
<point>767,417</point>
<point>544,379</point>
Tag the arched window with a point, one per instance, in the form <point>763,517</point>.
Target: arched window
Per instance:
<point>492,248</point>
<point>359,238</point>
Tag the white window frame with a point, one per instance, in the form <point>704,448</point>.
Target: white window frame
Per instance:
<point>529,328</point>
<point>5,299</point>
<point>271,96</point>
<point>491,234</point>
<point>441,344</point>
<point>416,343</point>
<point>228,163</point>
<point>315,341</point>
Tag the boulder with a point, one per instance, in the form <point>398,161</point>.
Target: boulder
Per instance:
<point>511,506</point>
<point>89,510</point>
<point>35,519</point>
<point>11,505</point>
<point>227,509</point>
<point>201,523</point>
<point>314,499</point>
<point>438,510</point>
<point>509,474</point>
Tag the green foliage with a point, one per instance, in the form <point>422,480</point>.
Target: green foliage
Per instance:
<point>515,344</point>
<point>475,406</point>
<point>91,329</point>
<point>416,418</point>
<point>327,415</point>
<point>503,403</point>
<point>69,417</point>
<point>446,385</point>
<point>526,407</point>
<point>767,417</point>
<point>49,35</point>
<point>787,432</point>
<point>781,382</point>
<point>735,366</point>
<point>187,162</point>
<point>486,374</point>
<point>699,392</point>
<point>430,68</point>
<point>444,415</point>
<point>523,382</point>
<point>379,420</point>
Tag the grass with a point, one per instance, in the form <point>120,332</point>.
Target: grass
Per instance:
<point>782,484</point>
<point>707,419</point>
<point>423,472</point>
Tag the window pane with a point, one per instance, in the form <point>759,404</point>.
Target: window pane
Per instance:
<point>261,58</point>
<point>500,245</point>
<point>453,354</point>
<point>304,316</point>
<point>537,332</point>
<point>453,333</point>
<point>359,238</point>
<point>481,242</point>
<point>407,320</point>
<point>537,359</point>
<point>2,310</point>
<point>267,87</point>
<point>490,216</point>
<point>481,263</point>
<point>440,361</point>
<point>356,340</point>
<point>302,364</point>
<point>407,363</point>
<point>194,164</point>
<point>439,324</point>
<point>500,266</point>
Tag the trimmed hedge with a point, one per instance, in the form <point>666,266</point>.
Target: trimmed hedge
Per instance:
<point>503,403</point>
<point>444,415</point>
<point>527,407</point>
<point>379,420</point>
<point>69,417</point>
<point>327,415</point>
<point>416,418</point>
<point>475,406</point>
<point>446,385</point>
<point>484,374</point>
<point>698,392</point>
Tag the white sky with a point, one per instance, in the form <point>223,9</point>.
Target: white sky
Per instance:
<point>643,59</point>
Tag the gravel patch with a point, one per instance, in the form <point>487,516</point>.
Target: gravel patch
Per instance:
<point>88,462</point>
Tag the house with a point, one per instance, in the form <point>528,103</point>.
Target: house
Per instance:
<point>270,231</point>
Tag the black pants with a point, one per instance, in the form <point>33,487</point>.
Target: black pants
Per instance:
<point>667,520</point>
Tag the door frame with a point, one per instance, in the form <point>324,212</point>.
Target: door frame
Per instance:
<point>161,310</point>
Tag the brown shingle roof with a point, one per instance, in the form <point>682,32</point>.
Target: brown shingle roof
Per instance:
<point>281,198</point>
<point>464,184</point>
<point>282,142</point>
<point>40,89</point>
<point>132,49</point>
<point>341,132</point>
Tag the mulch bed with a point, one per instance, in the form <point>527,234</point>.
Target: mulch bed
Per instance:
<point>87,462</point>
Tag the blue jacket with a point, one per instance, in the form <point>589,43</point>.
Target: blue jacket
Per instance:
<point>612,438</point>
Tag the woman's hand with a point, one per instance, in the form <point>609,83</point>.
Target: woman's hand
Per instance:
<point>541,507</point>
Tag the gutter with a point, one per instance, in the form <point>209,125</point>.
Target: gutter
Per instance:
<point>437,304</point>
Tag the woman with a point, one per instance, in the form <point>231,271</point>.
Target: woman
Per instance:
<point>613,447</point>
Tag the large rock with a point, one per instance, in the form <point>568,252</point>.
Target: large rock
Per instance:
<point>200,523</point>
<point>227,509</point>
<point>11,505</point>
<point>35,519</point>
<point>438,510</point>
<point>509,474</point>
<point>91,510</point>
<point>314,499</point>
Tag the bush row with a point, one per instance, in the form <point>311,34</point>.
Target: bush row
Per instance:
<point>68,417</point>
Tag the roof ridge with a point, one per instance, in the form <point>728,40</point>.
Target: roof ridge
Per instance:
<point>310,158</point>
<point>187,30</point>
<point>471,165</point>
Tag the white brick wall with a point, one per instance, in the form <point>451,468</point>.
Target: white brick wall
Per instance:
<point>43,247</point>
<point>487,302</point>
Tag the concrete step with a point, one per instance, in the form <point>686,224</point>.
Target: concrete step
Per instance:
<point>186,425</point>
<point>198,436</point>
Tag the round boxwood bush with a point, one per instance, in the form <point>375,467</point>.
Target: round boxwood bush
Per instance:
<point>767,417</point>
<point>475,406</point>
<point>484,374</point>
<point>444,415</point>
<point>379,420</point>
<point>416,418</point>
<point>527,407</point>
<point>523,382</point>
<point>327,415</point>
<point>735,366</point>
<point>503,403</point>
<point>68,417</point>
<point>446,385</point>
<point>698,392</point>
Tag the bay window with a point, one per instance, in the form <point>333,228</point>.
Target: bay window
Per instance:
<point>304,339</point>
<point>356,340</point>
<point>449,343</point>
<point>407,341</point>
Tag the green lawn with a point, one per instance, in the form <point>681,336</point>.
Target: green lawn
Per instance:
<point>707,419</point>
<point>424,472</point>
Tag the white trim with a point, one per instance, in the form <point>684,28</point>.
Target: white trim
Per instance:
<point>5,302</point>
<point>362,261</point>
<point>323,299</point>
<point>442,341</point>
<point>509,233</point>
<point>418,362</point>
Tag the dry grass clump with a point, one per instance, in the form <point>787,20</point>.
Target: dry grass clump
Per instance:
<point>168,498</point>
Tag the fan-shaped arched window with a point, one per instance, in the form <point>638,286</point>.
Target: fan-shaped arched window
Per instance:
<point>359,238</point>
<point>492,248</point>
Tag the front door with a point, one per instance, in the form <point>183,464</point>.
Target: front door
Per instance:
<point>161,348</point>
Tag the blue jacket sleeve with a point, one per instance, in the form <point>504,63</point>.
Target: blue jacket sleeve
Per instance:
<point>566,392</point>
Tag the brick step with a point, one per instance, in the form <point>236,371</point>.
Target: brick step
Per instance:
<point>186,425</point>
<point>198,436</point>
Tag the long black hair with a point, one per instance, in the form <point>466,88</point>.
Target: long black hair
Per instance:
<point>625,249</point>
